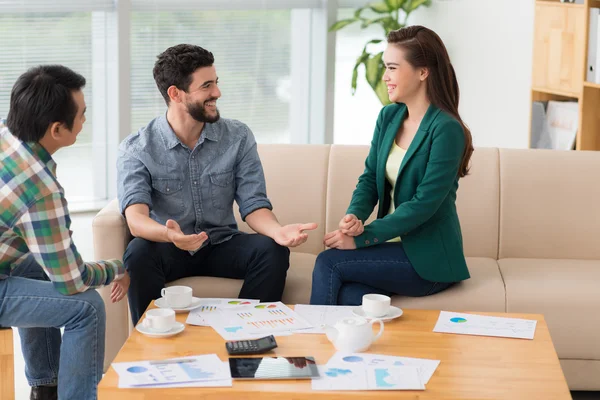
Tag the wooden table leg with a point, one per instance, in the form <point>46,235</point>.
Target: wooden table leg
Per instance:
<point>7,365</point>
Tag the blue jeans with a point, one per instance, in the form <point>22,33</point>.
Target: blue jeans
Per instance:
<point>29,302</point>
<point>342,277</point>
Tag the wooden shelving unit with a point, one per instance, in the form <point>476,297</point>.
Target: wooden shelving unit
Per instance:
<point>560,62</point>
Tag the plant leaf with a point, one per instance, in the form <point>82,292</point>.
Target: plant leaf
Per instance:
<point>369,22</point>
<point>342,23</point>
<point>414,4</point>
<point>394,5</point>
<point>374,69</point>
<point>360,60</point>
<point>390,24</point>
<point>381,7</point>
<point>358,12</point>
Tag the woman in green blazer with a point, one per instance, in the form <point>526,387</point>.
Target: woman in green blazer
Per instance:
<point>420,149</point>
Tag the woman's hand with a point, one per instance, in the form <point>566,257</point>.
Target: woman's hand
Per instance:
<point>339,240</point>
<point>352,226</point>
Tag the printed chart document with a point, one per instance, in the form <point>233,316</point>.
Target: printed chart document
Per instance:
<point>472,324</point>
<point>251,321</point>
<point>319,316</point>
<point>201,370</point>
<point>212,305</point>
<point>426,367</point>
<point>363,371</point>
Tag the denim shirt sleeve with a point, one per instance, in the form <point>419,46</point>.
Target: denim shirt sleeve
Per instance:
<point>134,184</point>
<point>251,189</point>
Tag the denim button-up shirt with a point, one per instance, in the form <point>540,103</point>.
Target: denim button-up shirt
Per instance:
<point>195,187</point>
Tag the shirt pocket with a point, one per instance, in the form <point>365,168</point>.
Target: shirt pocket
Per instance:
<point>167,195</point>
<point>222,190</point>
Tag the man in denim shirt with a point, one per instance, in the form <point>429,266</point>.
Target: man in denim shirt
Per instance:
<point>177,180</point>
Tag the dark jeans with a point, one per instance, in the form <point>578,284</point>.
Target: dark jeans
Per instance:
<point>342,277</point>
<point>257,259</point>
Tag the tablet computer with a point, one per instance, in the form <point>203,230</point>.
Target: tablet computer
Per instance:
<point>273,368</point>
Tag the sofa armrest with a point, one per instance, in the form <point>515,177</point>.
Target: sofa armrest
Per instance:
<point>111,235</point>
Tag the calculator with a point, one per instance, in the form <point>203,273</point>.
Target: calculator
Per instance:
<point>254,346</point>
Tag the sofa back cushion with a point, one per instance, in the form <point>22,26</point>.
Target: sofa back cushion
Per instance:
<point>549,204</point>
<point>346,164</point>
<point>477,204</point>
<point>296,177</point>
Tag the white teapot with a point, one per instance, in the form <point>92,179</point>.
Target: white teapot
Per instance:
<point>353,334</point>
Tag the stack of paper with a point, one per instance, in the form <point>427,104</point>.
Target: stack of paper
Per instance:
<point>210,305</point>
<point>319,316</point>
<point>252,321</point>
<point>471,324</point>
<point>364,371</point>
<point>197,371</point>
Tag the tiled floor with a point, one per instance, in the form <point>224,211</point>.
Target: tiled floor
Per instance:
<point>82,236</point>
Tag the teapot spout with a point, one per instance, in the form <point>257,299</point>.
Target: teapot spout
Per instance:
<point>331,332</point>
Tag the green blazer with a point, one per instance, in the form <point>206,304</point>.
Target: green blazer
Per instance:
<point>425,194</point>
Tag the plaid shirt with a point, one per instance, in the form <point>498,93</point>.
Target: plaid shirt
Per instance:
<point>34,219</point>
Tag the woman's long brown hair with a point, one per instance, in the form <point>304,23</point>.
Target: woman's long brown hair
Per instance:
<point>424,49</point>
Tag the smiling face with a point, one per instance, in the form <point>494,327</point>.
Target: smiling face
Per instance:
<point>201,97</point>
<point>401,78</point>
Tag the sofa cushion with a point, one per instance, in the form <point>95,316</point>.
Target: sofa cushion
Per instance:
<point>346,164</point>
<point>549,206</point>
<point>566,292</point>
<point>581,374</point>
<point>297,285</point>
<point>484,291</point>
<point>296,177</point>
<point>477,204</point>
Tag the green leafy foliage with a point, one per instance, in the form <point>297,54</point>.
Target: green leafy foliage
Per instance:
<point>390,15</point>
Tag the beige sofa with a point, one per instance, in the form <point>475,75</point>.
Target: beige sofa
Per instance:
<point>531,225</point>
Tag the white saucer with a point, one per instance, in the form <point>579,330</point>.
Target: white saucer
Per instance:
<point>162,303</point>
<point>177,328</point>
<point>394,312</point>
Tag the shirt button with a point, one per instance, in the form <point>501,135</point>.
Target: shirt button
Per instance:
<point>195,183</point>
<point>367,242</point>
<point>168,189</point>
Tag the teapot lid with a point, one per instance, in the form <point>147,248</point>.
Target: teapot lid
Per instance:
<point>353,321</point>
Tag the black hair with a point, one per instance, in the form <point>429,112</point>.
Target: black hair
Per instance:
<point>42,96</point>
<point>175,66</point>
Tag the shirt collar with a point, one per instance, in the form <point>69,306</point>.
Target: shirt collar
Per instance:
<point>171,140</point>
<point>41,153</point>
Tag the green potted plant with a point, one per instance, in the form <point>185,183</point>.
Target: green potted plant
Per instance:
<point>390,15</point>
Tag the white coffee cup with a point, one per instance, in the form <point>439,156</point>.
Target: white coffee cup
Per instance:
<point>177,296</point>
<point>159,319</point>
<point>376,305</point>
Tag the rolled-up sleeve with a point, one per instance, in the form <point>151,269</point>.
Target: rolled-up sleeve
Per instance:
<point>134,184</point>
<point>251,189</point>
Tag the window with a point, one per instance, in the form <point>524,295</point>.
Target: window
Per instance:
<point>354,116</point>
<point>252,57</point>
<point>58,33</point>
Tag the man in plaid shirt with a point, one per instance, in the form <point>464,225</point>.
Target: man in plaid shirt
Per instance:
<point>44,284</point>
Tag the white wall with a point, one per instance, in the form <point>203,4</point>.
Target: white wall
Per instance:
<point>490,43</point>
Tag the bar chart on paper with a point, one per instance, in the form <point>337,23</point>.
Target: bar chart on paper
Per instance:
<point>255,320</point>
<point>215,305</point>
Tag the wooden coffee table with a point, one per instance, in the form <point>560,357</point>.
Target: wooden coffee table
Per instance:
<point>472,367</point>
